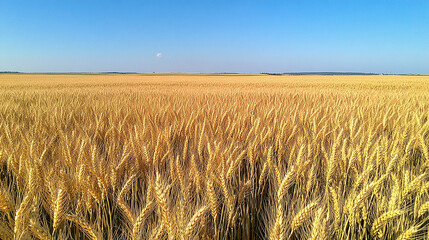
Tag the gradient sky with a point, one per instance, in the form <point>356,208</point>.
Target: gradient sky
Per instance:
<point>214,36</point>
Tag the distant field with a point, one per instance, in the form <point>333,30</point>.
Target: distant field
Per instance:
<point>164,156</point>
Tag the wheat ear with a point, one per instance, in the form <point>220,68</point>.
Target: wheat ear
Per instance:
<point>304,215</point>
<point>59,207</point>
<point>382,221</point>
<point>213,198</point>
<point>423,209</point>
<point>20,215</point>
<point>38,231</point>
<point>195,220</point>
<point>286,183</point>
<point>141,219</point>
<point>87,229</point>
<point>409,233</point>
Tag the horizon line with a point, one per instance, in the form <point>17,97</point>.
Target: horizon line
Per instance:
<point>221,73</point>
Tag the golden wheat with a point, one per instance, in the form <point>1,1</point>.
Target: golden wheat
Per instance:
<point>213,157</point>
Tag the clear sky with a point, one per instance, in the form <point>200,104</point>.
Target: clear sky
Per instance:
<point>214,36</point>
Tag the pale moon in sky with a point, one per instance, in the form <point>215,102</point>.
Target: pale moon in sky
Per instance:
<point>158,55</point>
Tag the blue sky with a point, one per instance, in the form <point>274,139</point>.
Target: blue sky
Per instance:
<point>214,36</point>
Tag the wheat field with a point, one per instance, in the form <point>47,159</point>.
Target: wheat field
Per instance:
<point>213,157</point>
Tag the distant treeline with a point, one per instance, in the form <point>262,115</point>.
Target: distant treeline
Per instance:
<point>322,73</point>
<point>118,72</point>
<point>84,73</point>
